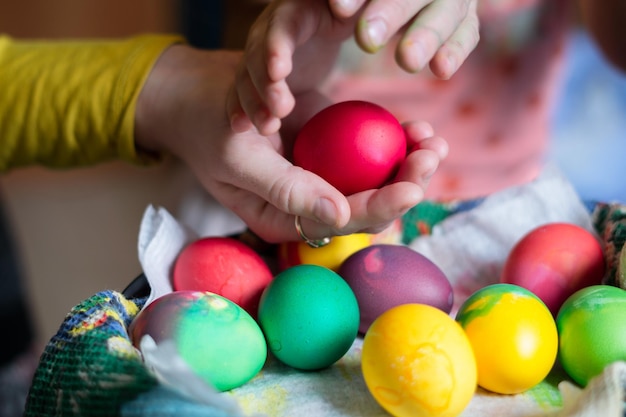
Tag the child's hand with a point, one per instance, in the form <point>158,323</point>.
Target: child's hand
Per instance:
<point>290,49</point>
<point>439,32</point>
<point>293,45</point>
<point>181,111</point>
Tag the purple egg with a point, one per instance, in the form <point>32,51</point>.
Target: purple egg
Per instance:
<point>383,276</point>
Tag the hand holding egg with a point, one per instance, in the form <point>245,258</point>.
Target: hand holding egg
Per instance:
<point>381,166</point>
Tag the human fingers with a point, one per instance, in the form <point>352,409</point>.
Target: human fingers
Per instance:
<point>239,120</point>
<point>381,20</point>
<point>448,24</point>
<point>420,135</point>
<point>418,167</point>
<point>260,170</point>
<point>436,144</point>
<point>457,47</point>
<point>246,109</point>
<point>263,91</point>
<point>374,210</point>
<point>344,9</point>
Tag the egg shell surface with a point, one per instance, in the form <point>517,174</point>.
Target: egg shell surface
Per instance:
<point>386,275</point>
<point>219,340</point>
<point>555,260</point>
<point>513,335</point>
<point>330,256</point>
<point>592,331</point>
<point>223,266</point>
<point>418,362</point>
<point>310,317</point>
<point>354,145</point>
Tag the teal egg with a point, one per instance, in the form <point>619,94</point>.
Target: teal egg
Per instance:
<point>592,331</point>
<point>310,317</point>
<point>219,340</point>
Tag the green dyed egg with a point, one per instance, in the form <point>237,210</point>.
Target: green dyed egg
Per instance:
<point>310,317</point>
<point>592,331</point>
<point>219,340</point>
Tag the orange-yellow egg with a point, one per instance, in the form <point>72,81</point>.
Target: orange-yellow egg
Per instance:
<point>418,362</point>
<point>513,335</point>
<point>330,256</point>
<point>338,250</point>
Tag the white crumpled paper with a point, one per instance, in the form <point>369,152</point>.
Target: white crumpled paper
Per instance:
<point>470,247</point>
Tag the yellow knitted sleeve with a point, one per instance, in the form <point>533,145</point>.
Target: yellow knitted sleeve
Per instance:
<point>72,103</point>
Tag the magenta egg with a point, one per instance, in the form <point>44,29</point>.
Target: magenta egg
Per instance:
<point>383,276</point>
<point>354,145</point>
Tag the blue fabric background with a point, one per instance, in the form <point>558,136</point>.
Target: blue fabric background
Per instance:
<point>589,124</point>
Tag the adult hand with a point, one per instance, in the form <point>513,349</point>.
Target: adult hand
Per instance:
<point>181,110</point>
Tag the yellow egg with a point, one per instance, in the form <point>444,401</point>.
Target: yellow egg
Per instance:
<point>513,335</point>
<point>418,362</point>
<point>330,256</point>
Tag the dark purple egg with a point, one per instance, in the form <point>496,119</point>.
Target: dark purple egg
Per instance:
<point>383,276</point>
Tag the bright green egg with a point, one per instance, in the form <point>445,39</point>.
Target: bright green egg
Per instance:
<point>310,317</point>
<point>592,331</point>
<point>218,340</point>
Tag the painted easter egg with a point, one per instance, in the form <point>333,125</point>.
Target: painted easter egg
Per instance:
<point>330,256</point>
<point>310,317</point>
<point>513,335</point>
<point>217,339</point>
<point>354,145</point>
<point>555,260</point>
<point>385,275</point>
<point>223,266</point>
<point>418,362</point>
<point>592,331</point>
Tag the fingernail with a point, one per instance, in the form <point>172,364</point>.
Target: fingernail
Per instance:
<point>420,56</point>
<point>376,30</point>
<point>450,66</point>
<point>347,6</point>
<point>325,211</point>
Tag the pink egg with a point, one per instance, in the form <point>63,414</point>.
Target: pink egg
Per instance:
<point>224,266</point>
<point>383,276</point>
<point>553,261</point>
<point>354,145</point>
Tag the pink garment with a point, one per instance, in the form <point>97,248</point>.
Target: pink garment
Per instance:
<point>495,110</point>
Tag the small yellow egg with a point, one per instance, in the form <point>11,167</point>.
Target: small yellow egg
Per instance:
<point>330,256</point>
<point>418,362</point>
<point>514,337</point>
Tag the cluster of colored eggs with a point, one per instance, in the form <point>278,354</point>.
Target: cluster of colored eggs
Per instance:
<point>507,335</point>
<point>416,359</point>
<point>307,315</point>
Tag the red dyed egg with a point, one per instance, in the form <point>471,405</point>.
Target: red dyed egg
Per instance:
<point>223,266</point>
<point>354,145</point>
<point>554,261</point>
